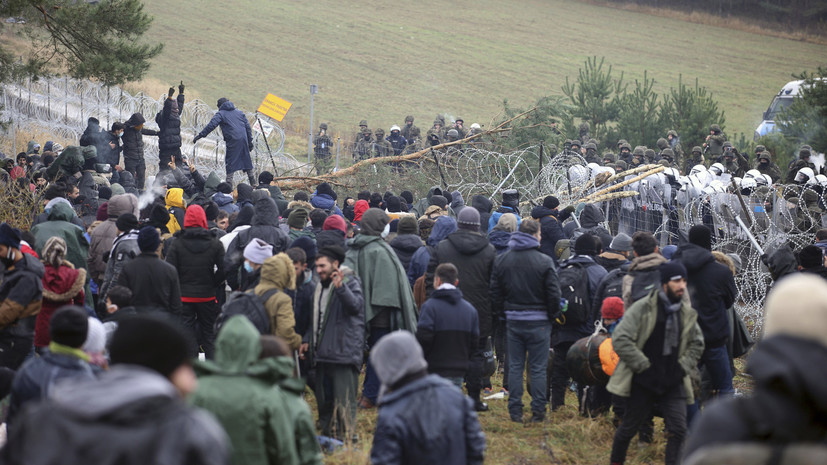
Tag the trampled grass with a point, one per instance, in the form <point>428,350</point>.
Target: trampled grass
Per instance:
<point>383,60</point>
<point>564,438</point>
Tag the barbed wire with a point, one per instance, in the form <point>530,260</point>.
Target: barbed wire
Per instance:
<point>658,200</point>
<point>61,106</point>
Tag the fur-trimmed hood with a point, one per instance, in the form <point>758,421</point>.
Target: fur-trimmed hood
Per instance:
<point>64,283</point>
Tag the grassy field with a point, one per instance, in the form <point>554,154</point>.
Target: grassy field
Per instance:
<point>382,60</point>
<point>564,438</point>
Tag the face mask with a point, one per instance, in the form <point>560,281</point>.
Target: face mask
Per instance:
<point>386,231</point>
<point>8,260</point>
<point>248,267</point>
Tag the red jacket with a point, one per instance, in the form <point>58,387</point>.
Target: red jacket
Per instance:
<point>61,286</point>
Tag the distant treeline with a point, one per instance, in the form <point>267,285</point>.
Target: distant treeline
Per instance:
<point>809,14</point>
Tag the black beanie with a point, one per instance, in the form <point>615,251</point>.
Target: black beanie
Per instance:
<point>333,252</point>
<point>439,201</point>
<point>265,177</point>
<point>810,257</point>
<point>126,222</point>
<point>393,204</point>
<point>158,216</point>
<point>148,239</point>
<point>407,195</point>
<point>104,192</point>
<point>551,202</point>
<point>585,245</point>
<point>68,326</point>
<point>149,341</point>
<point>701,236</point>
<point>224,188</point>
<point>324,188</point>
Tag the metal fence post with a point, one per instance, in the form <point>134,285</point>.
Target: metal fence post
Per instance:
<point>338,146</point>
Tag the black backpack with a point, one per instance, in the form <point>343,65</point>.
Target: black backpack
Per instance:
<point>574,287</point>
<point>612,286</point>
<point>250,305</point>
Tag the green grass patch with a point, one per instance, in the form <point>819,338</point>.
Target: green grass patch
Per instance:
<point>384,60</point>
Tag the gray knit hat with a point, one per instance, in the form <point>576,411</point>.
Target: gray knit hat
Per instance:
<point>396,356</point>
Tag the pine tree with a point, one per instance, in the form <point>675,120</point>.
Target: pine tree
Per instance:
<point>805,121</point>
<point>595,96</point>
<point>95,41</point>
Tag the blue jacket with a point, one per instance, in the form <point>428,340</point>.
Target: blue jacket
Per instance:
<point>326,202</point>
<point>495,217</point>
<point>225,202</point>
<point>448,331</point>
<point>36,378</point>
<point>237,135</point>
<point>443,226</point>
<point>427,421</point>
<point>499,239</point>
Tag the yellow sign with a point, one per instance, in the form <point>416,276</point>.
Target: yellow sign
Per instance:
<point>274,107</point>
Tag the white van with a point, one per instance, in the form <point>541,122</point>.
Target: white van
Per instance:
<point>780,102</point>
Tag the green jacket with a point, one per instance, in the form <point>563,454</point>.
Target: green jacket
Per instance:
<point>60,225</point>
<point>634,330</point>
<point>69,162</point>
<point>257,402</point>
<point>384,281</point>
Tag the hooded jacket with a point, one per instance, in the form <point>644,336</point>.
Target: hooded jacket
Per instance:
<point>104,235</point>
<point>132,138</point>
<point>405,246</point>
<point>359,209</point>
<point>39,375</point>
<point>340,335</point>
<point>61,286</point>
<point>448,331</point>
<point>277,272</point>
<point>473,256</point>
<point>483,205</point>
<point>383,280</point>
<point>419,261</point>
<point>127,181</point>
<point>60,225</point>
<point>712,292</point>
<point>169,124</point>
<point>551,229</point>
<point>326,203</point>
<point>423,204</point>
<point>499,239</point>
<point>427,420</point>
<point>591,220</point>
<point>176,206</point>
<point>238,136</point>
<point>634,330</point>
<point>195,253</point>
<point>93,136</point>
<point>21,295</point>
<point>524,279</point>
<point>786,407</point>
<point>643,276</point>
<point>225,202</point>
<point>264,226</point>
<point>255,400</point>
<point>147,422</point>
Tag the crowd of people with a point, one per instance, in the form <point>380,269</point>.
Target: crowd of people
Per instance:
<point>121,301</point>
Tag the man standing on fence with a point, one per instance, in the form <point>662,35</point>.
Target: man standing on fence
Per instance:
<point>237,135</point>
